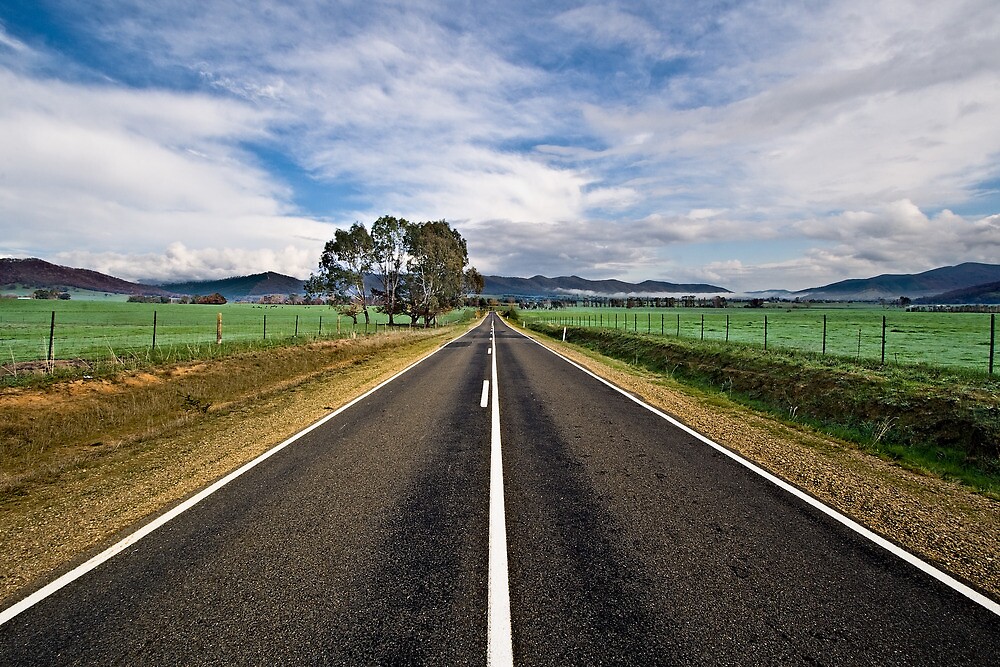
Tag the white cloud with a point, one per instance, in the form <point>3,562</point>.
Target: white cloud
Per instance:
<point>10,42</point>
<point>607,26</point>
<point>822,132</point>
<point>106,170</point>
<point>177,262</point>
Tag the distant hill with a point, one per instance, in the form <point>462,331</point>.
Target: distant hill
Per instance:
<point>38,274</point>
<point>988,293</point>
<point>241,287</point>
<point>540,286</point>
<point>893,286</point>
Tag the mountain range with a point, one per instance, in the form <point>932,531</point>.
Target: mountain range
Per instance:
<point>929,284</point>
<point>576,286</point>
<point>965,283</point>
<point>241,287</point>
<point>36,273</point>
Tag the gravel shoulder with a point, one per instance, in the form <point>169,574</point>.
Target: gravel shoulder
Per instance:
<point>940,521</point>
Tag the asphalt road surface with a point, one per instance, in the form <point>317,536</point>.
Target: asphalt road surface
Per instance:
<point>628,541</point>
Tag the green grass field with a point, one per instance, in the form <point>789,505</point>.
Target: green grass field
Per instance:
<point>96,329</point>
<point>958,340</point>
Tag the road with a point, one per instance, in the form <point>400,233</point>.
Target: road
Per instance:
<point>627,541</point>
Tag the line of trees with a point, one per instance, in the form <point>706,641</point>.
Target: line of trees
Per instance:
<point>422,270</point>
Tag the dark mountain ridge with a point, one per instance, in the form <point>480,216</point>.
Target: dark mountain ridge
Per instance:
<point>892,286</point>
<point>988,293</point>
<point>540,286</point>
<point>37,273</point>
<point>241,287</point>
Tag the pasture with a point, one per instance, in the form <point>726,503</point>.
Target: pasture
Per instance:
<point>955,340</point>
<point>103,329</point>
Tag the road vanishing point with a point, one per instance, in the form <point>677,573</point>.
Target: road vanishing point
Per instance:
<point>497,504</point>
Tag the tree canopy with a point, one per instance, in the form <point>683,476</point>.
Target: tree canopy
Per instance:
<point>346,260</point>
<point>422,269</point>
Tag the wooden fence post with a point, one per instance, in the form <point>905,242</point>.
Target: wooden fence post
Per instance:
<point>52,335</point>
<point>765,333</point>
<point>154,329</point>
<point>993,329</point>
<point>883,340</point>
<point>218,330</point>
<point>824,335</point>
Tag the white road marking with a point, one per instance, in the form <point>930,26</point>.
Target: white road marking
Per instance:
<point>913,560</point>
<point>107,554</point>
<point>484,399</point>
<point>500,651</point>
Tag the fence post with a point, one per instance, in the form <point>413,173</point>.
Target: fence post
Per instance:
<point>218,330</point>
<point>296,326</point>
<point>678,325</point>
<point>703,326</point>
<point>320,326</point>
<point>993,328</point>
<point>765,333</point>
<point>662,319</point>
<point>52,334</point>
<point>649,322</point>
<point>824,335</point>
<point>265,326</point>
<point>727,328</point>
<point>883,340</point>
<point>154,329</point>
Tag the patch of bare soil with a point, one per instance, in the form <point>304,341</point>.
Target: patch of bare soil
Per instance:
<point>39,367</point>
<point>938,520</point>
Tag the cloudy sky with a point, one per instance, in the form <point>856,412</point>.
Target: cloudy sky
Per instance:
<point>752,145</point>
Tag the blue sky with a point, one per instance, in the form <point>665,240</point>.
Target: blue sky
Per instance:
<point>750,145</point>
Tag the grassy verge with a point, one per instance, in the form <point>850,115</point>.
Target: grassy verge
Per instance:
<point>929,419</point>
<point>84,459</point>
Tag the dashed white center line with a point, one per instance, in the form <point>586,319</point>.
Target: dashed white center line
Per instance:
<point>484,399</point>
<point>500,650</point>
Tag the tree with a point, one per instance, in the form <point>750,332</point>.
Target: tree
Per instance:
<point>436,279</point>
<point>342,267</point>
<point>474,281</point>
<point>389,255</point>
<point>215,299</point>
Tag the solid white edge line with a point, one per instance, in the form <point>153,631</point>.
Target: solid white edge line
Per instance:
<point>500,651</point>
<point>110,552</point>
<point>892,548</point>
<point>484,399</point>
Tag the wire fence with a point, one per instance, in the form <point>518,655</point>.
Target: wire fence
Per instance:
<point>964,340</point>
<point>89,332</point>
